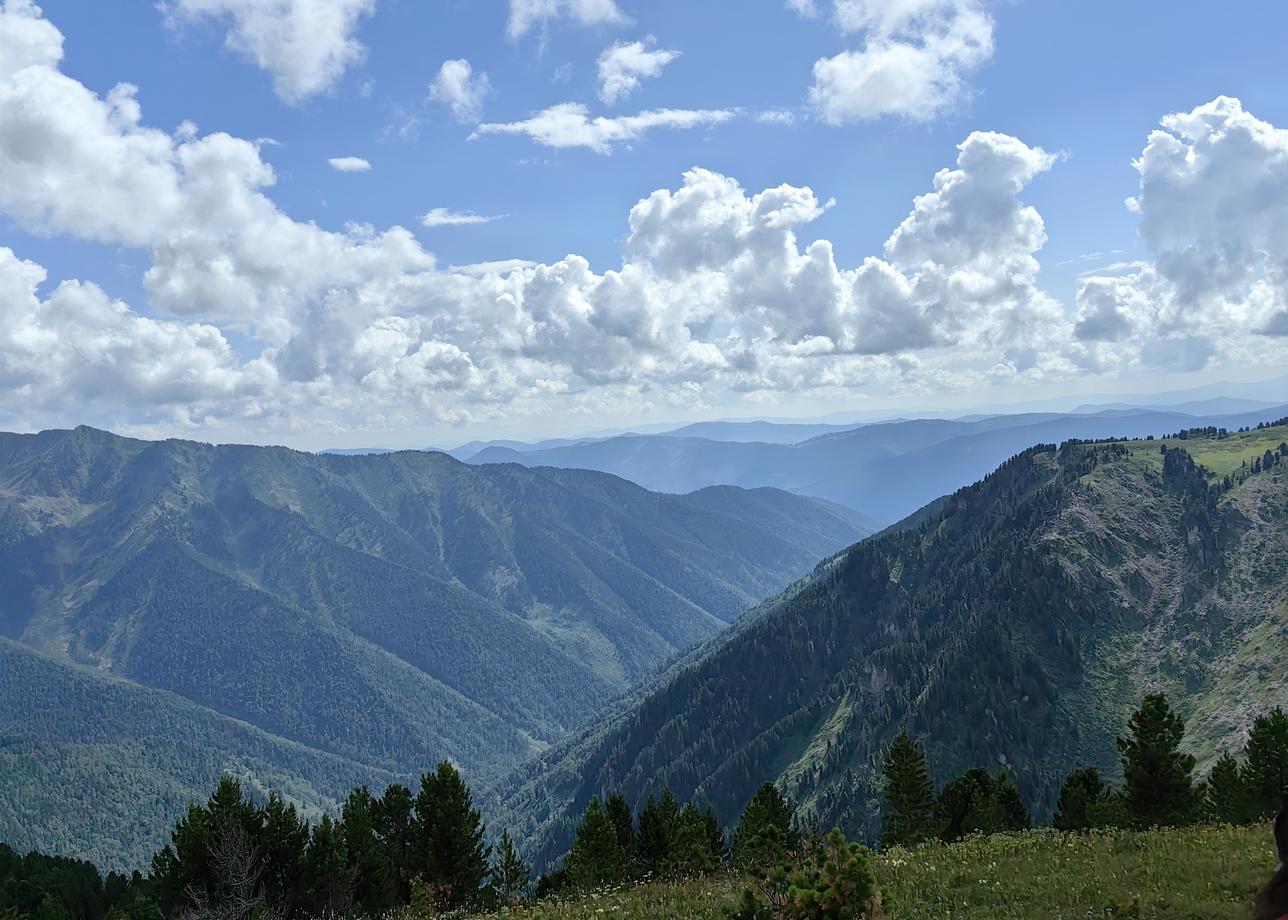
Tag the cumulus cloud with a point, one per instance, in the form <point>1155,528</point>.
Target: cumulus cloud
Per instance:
<point>1213,208</point>
<point>460,89</point>
<point>442,217</point>
<point>349,164</point>
<point>527,14</point>
<point>306,45</point>
<point>622,66</point>
<point>720,295</point>
<point>913,62</point>
<point>570,125</point>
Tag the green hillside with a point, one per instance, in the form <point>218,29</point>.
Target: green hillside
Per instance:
<point>1017,623</point>
<point>1206,873</point>
<point>383,611</point>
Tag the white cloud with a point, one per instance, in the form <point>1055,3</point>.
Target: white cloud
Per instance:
<point>913,62</point>
<point>306,45</point>
<point>460,89</point>
<point>442,217</point>
<point>719,297</point>
<point>570,125</point>
<point>527,14</point>
<point>1213,207</point>
<point>622,66</point>
<point>349,164</point>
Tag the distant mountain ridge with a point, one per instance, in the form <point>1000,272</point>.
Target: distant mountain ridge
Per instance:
<point>389,610</point>
<point>886,470</point>
<point>1013,624</point>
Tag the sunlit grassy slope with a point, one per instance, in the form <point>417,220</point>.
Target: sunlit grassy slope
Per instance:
<point>1193,874</point>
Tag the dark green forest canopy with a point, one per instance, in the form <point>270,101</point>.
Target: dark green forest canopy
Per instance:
<point>173,610</point>
<point>1015,624</point>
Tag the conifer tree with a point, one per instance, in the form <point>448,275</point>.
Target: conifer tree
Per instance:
<point>623,822</point>
<point>764,834</point>
<point>596,857</point>
<point>396,831</point>
<point>1080,792</point>
<point>330,876</point>
<point>1157,778</point>
<point>449,835</point>
<point>510,876</point>
<point>658,824</point>
<point>368,858</point>
<point>1227,794</point>
<point>1266,773</point>
<point>909,794</point>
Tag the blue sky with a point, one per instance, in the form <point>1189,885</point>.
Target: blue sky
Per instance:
<point>1085,83</point>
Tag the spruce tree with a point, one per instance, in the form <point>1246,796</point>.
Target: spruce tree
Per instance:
<point>596,857</point>
<point>624,823</point>
<point>1227,794</point>
<point>658,824</point>
<point>1266,773</point>
<point>453,859</point>
<point>909,794</point>
<point>375,888</point>
<point>1157,778</point>
<point>764,834</point>
<point>330,876</point>
<point>510,876</point>
<point>1080,792</point>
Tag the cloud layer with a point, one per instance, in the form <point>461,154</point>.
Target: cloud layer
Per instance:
<point>913,60</point>
<point>720,295</point>
<point>306,45</point>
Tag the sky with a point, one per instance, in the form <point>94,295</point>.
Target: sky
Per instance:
<point>409,222</point>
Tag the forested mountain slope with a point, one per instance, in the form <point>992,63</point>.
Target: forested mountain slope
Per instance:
<point>886,470</point>
<point>1015,624</point>
<point>387,610</point>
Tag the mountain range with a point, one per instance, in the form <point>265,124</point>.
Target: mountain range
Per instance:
<point>309,620</point>
<point>1014,624</point>
<point>885,470</point>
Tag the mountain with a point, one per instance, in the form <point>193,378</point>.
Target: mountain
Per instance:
<point>388,610</point>
<point>886,470</point>
<point>1015,623</point>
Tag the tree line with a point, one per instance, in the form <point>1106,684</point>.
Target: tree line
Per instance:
<point>235,859</point>
<point>1159,788</point>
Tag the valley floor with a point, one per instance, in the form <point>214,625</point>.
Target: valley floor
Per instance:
<point>1206,873</point>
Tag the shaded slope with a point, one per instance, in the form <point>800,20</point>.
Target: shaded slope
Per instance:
<point>1017,624</point>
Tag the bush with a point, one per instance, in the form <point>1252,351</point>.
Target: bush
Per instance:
<point>833,881</point>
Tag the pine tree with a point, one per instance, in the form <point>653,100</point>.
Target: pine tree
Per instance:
<point>449,835</point>
<point>764,835</point>
<point>624,823</point>
<point>1079,793</point>
<point>330,876</point>
<point>1266,773</point>
<point>658,824</point>
<point>281,850</point>
<point>375,888</point>
<point>396,831</point>
<point>1158,778</point>
<point>692,851</point>
<point>510,876</point>
<point>596,857</point>
<point>1227,795</point>
<point>909,795</point>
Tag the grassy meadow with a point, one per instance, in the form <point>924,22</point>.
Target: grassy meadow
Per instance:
<point>1206,873</point>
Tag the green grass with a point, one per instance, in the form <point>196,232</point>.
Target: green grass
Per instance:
<point>1225,455</point>
<point>1208,873</point>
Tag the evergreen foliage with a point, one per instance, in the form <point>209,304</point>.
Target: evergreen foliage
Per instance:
<point>764,835</point>
<point>978,803</point>
<point>909,794</point>
<point>1227,793</point>
<point>831,881</point>
<point>1158,777</point>
<point>511,876</point>
<point>1266,773</point>
<point>1078,796</point>
<point>451,853</point>
<point>596,857</point>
